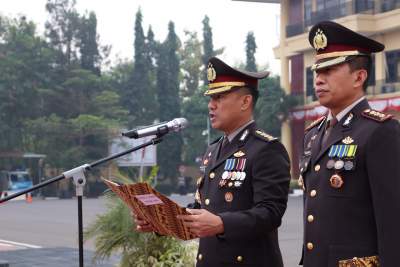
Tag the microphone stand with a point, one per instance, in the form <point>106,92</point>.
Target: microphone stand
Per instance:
<point>79,180</point>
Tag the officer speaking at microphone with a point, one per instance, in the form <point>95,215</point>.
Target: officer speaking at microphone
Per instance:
<point>350,165</point>
<point>242,195</point>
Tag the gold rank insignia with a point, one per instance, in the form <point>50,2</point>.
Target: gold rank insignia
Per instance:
<point>265,135</point>
<point>315,123</point>
<point>239,154</point>
<point>197,196</point>
<point>376,115</point>
<point>211,73</point>
<point>199,180</point>
<point>348,140</point>
<point>320,41</point>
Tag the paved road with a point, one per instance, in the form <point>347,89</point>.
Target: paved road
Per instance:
<point>44,232</point>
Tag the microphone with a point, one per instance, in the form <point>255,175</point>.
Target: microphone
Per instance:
<point>162,128</point>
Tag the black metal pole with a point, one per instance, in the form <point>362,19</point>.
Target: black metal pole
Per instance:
<point>154,141</point>
<point>80,229</point>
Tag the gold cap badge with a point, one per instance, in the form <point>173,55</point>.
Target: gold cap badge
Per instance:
<point>211,73</point>
<point>320,41</point>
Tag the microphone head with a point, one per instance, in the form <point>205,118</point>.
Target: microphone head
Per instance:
<point>179,124</point>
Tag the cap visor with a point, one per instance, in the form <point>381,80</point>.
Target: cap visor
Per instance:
<point>323,64</point>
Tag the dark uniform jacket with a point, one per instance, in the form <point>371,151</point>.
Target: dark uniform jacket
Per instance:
<point>352,208</point>
<point>247,187</point>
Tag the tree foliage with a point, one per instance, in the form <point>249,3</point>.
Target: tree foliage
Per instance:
<point>190,64</point>
<point>273,105</point>
<point>208,47</point>
<point>58,98</point>
<point>169,152</point>
<point>251,48</point>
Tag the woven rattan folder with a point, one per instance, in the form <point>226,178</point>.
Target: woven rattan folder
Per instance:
<point>154,207</point>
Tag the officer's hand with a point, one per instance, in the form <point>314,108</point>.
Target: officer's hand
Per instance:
<point>202,223</point>
<point>141,225</point>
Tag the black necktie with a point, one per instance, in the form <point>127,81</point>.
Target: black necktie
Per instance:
<point>224,147</point>
<point>329,126</point>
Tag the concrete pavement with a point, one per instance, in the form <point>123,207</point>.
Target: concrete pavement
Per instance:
<point>44,233</point>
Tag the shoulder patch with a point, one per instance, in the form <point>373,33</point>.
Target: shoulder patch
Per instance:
<point>263,135</point>
<point>376,115</point>
<point>315,123</point>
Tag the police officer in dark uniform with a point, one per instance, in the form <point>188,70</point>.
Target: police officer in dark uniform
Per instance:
<point>350,166</point>
<point>242,195</point>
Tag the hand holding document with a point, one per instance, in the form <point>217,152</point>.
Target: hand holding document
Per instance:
<point>157,209</point>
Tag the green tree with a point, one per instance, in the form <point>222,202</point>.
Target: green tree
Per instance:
<point>88,45</point>
<point>138,98</point>
<point>196,136</point>
<point>251,48</point>
<point>208,47</point>
<point>273,105</point>
<point>169,152</point>
<point>191,63</point>
<point>24,68</point>
<point>62,30</point>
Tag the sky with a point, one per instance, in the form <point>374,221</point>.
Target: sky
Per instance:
<point>230,22</point>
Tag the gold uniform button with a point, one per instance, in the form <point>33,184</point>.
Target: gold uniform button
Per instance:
<point>239,258</point>
<point>212,175</point>
<point>313,193</point>
<point>310,246</point>
<point>317,167</point>
<point>310,218</point>
<point>200,257</point>
<point>207,201</point>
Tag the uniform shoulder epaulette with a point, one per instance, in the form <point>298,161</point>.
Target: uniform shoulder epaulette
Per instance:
<point>376,115</point>
<point>264,136</point>
<point>315,123</point>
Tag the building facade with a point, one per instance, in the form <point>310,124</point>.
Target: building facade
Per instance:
<point>377,19</point>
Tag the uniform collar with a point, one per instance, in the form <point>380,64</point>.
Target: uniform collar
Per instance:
<point>232,135</point>
<point>343,113</point>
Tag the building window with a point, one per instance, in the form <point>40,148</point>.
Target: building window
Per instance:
<point>310,92</point>
<point>307,12</point>
<point>361,6</point>
<point>393,68</point>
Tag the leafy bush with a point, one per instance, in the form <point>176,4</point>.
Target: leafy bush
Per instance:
<point>114,232</point>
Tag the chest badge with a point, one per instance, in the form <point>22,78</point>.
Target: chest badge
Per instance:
<point>348,120</point>
<point>336,181</point>
<point>348,140</point>
<point>228,197</point>
<point>239,154</point>
<point>244,135</point>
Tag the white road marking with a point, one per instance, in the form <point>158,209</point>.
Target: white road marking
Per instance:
<point>18,244</point>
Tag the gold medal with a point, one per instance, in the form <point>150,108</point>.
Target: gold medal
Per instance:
<point>228,197</point>
<point>336,181</point>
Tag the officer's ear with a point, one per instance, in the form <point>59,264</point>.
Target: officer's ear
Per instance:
<point>360,76</point>
<point>247,102</point>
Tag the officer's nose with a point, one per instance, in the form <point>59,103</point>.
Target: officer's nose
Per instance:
<point>319,79</point>
<point>211,104</point>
